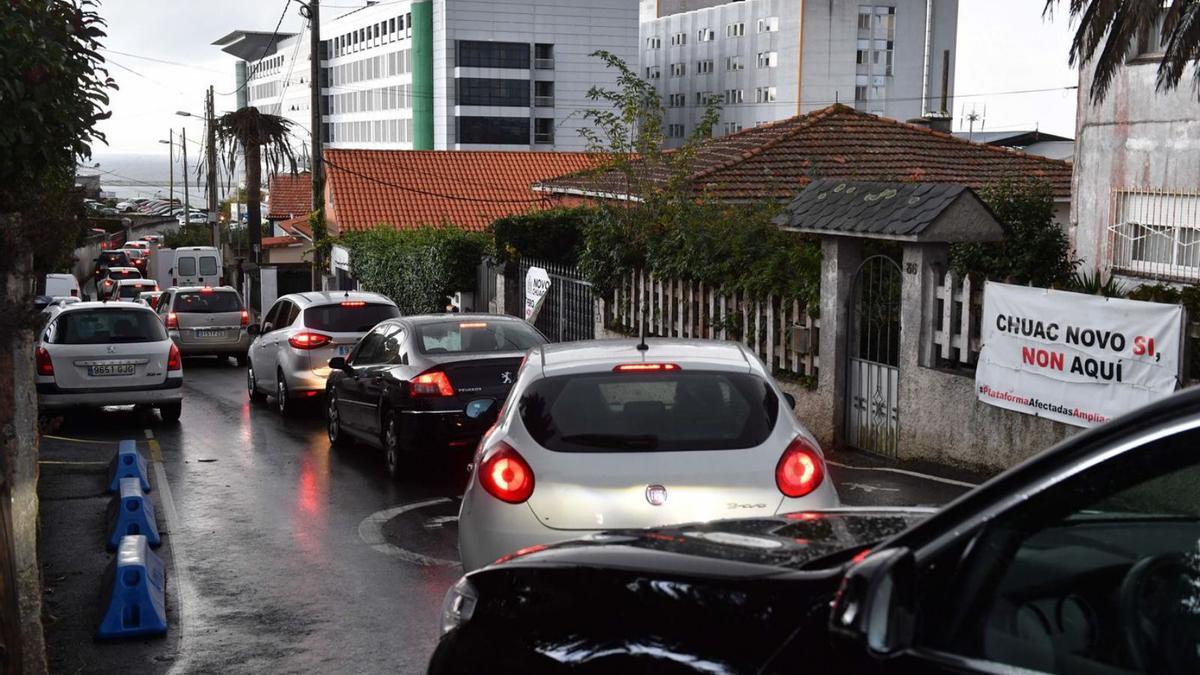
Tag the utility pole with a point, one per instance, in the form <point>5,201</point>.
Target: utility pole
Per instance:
<point>317,169</point>
<point>210,121</point>
<point>170,143</point>
<point>186,204</point>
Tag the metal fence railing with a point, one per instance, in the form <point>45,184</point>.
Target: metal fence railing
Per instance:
<point>569,310</point>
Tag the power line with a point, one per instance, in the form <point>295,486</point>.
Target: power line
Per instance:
<point>163,61</point>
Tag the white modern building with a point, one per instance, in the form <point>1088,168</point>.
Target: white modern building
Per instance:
<point>766,60</point>
<point>444,74</point>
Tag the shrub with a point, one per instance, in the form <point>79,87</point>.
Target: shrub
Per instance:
<point>1035,249</point>
<point>419,268</point>
<point>555,235</point>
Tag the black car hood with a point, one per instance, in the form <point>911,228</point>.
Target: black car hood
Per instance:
<point>733,547</point>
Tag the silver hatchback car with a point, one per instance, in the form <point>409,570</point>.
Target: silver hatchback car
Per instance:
<point>289,357</point>
<point>206,321</point>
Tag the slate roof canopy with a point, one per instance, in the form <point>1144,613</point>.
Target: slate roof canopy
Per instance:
<point>917,212</point>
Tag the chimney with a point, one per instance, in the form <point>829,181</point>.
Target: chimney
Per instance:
<point>935,122</point>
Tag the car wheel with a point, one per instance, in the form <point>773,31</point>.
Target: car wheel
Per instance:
<point>333,423</point>
<point>283,403</point>
<point>252,391</point>
<point>242,360</point>
<point>392,453</point>
<point>170,412</point>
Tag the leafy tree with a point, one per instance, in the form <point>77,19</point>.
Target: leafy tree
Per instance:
<point>1035,248</point>
<point>255,134</point>
<point>554,235</point>
<point>1109,30</point>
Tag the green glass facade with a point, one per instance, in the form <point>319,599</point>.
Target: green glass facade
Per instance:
<point>422,83</point>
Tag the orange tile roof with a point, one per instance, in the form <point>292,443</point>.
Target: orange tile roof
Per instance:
<point>409,188</point>
<point>776,160</point>
<point>280,242</point>
<point>298,225</point>
<point>289,195</point>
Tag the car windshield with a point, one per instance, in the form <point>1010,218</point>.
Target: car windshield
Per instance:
<point>132,290</point>
<point>106,326</point>
<point>470,336</point>
<point>350,316</point>
<point>207,302</point>
<point>650,412</point>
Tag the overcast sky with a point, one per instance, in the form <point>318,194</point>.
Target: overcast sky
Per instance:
<point>1002,47</point>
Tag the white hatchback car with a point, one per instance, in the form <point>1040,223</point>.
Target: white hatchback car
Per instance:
<point>95,354</point>
<point>603,435</point>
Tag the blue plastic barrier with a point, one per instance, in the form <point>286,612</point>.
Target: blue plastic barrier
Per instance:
<point>135,602</point>
<point>127,464</point>
<point>130,513</point>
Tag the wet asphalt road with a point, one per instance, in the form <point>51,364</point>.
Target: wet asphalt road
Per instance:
<point>280,565</point>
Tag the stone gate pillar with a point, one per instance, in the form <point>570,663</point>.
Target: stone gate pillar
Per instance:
<point>840,260</point>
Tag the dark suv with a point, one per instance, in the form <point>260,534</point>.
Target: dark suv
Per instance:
<point>108,259</point>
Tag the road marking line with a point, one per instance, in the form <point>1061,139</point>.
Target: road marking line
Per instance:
<point>52,462</point>
<point>903,472</point>
<point>149,434</point>
<point>370,530</point>
<point>155,451</point>
<point>867,488</point>
<point>183,585</point>
<point>78,440</point>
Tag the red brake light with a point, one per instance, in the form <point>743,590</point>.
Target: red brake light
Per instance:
<point>800,469</point>
<point>308,340</point>
<point>646,368</point>
<point>44,365</point>
<point>245,318</point>
<point>506,475</point>
<point>477,324</point>
<point>172,320</point>
<point>431,383</point>
<point>353,303</point>
<point>173,360</point>
<point>206,290</point>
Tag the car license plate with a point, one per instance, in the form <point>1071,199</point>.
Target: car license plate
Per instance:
<point>111,369</point>
<point>343,350</point>
<point>209,333</point>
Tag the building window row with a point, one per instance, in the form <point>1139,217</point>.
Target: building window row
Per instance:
<point>676,100</point>
<point>768,25</point>
<point>704,66</point>
<point>653,42</point>
<point>735,30</point>
<point>706,35</point>
<point>732,128</point>
<point>373,35</point>
<point>265,90</point>
<point>394,130</point>
<point>764,95</point>
<point>734,63</point>
<point>678,69</point>
<point>474,130</point>
<point>734,96</point>
<point>675,131</point>
<point>678,39</point>
<point>508,55</point>
<point>496,92</point>
<point>267,66</point>
<point>877,21</point>
<point>768,59</point>
<point>653,72</point>
<point>373,68</point>
<point>398,97</point>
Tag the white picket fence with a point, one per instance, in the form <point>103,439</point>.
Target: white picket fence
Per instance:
<point>956,326</point>
<point>779,330</point>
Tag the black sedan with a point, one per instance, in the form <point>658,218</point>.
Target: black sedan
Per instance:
<point>1085,559</point>
<point>420,385</point>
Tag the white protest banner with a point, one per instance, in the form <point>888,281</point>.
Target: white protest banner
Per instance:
<point>1078,359</point>
<point>537,285</point>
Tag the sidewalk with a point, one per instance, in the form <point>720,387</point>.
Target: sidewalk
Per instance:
<point>74,500</point>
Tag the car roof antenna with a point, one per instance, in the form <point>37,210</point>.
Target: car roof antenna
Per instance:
<point>642,346</point>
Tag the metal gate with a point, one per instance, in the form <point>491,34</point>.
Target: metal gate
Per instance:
<point>569,310</point>
<point>873,392</point>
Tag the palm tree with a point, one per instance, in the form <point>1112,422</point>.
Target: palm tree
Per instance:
<point>261,137</point>
<point>1109,29</point>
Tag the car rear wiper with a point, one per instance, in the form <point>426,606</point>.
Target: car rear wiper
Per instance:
<point>646,441</point>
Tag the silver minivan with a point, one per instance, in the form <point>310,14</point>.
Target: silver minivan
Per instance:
<point>206,321</point>
<point>289,357</point>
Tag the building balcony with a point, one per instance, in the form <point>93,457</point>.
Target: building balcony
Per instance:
<point>543,64</point>
<point>543,101</point>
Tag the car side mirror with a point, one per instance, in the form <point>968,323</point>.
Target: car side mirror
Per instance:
<point>791,400</point>
<point>267,327</point>
<point>252,329</point>
<point>339,363</point>
<point>875,608</point>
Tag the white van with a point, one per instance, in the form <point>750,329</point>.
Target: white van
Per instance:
<point>197,266</point>
<point>62,286</point>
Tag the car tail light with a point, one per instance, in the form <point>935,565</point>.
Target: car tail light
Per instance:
<point>800,469</point>
<point>646,368</point>
<point>431,383</point>
<point>174,362</point>
<point>220,281</point>
<point>506,475</point>
<point>172,320</point>
<point>44,365</point>
<point>174,281</point>
<point>308,340</point>
<point>353,303</point>
<point>245,318</point>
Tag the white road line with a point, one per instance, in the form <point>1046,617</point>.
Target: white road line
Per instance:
<point>903,472</point>
<point>370,530</point>
<point>149,434</point>
<point>184,593</point>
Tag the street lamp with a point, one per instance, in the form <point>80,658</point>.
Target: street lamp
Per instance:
<point>171,171</point>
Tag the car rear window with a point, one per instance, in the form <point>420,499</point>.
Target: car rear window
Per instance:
<point>132,290</point>
<point>113,259</point>
<point>125,274</point>
<point>186,267</point>
<point>133,254</point>
<point>210,302</point>
<point>208,266</point>
<point>650,412</point>
<point>467,336</point>
<point>105,326</point>
<point>348,317</point>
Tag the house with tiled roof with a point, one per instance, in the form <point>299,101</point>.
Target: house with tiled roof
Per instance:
<point>365,189</point>
<point>289,196</point>
<point>776,160</point>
